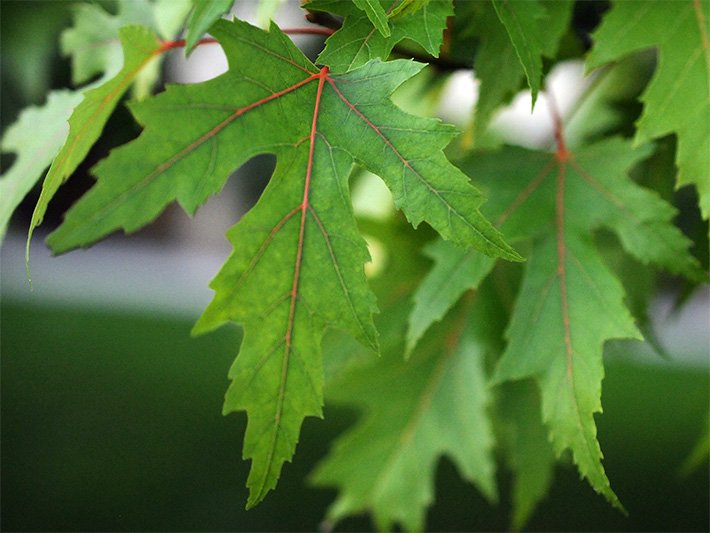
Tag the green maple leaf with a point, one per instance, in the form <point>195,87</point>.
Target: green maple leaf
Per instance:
<point>266,10</point>
<point>204,14</point>
<point>497,63</point>
<point>170,16</point>
<point>357,42</point>
<point>376,13</point>
<point>534,29</point>
<point>35,137</point>
<point>126,56</point>
<point>92,42</point>
<point>298,261</point>
<point>416,411</point>
<point>94,45</point>
<point>677,100</point>
<point>455,271</point>
<point>570,303</point>
<point>88,119</point>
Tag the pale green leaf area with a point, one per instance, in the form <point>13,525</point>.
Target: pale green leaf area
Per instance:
<point>455,271</point>
<point>99,43</point>
<point>93,43</point>
<point>35,138</point>
<point>95,48</point>
<point>677,100</point>
<point>87,121</point>
<point>376,13</point>
<point>170,16</point>
<point>497,63</point>
<point>204,14</point>
<point>266,11</point>
<point>414,413</point>
<point>297,267</point>
<point>357,42</point>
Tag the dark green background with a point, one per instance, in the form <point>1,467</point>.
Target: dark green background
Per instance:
<point>112,422</point>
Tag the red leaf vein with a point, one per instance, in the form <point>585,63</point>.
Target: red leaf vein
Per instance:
<point>288,338</point>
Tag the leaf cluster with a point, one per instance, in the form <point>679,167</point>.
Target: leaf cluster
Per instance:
<point>481,335</point>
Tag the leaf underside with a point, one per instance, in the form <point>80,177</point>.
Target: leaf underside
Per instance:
<point>297,267</point>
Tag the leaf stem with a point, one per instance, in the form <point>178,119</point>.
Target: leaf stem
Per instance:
<point>169,45</point>
<point>562,153</point>
<point>308,31</point>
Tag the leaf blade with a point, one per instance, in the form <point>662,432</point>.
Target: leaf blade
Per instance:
<point>36,137</point>
<point>683,73</point>
<point>204,14</point>
<point>416,411</point>
<point>518,19</point>
<point>430,188</point>
<point>356,42</point>
<point>376,14</point>
<point>570,303</point>
<point>90,116</point>
<point>455,271</point>
<point>497,64</point>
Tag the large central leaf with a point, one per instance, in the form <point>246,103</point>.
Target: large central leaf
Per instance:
<point>298,261</point>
